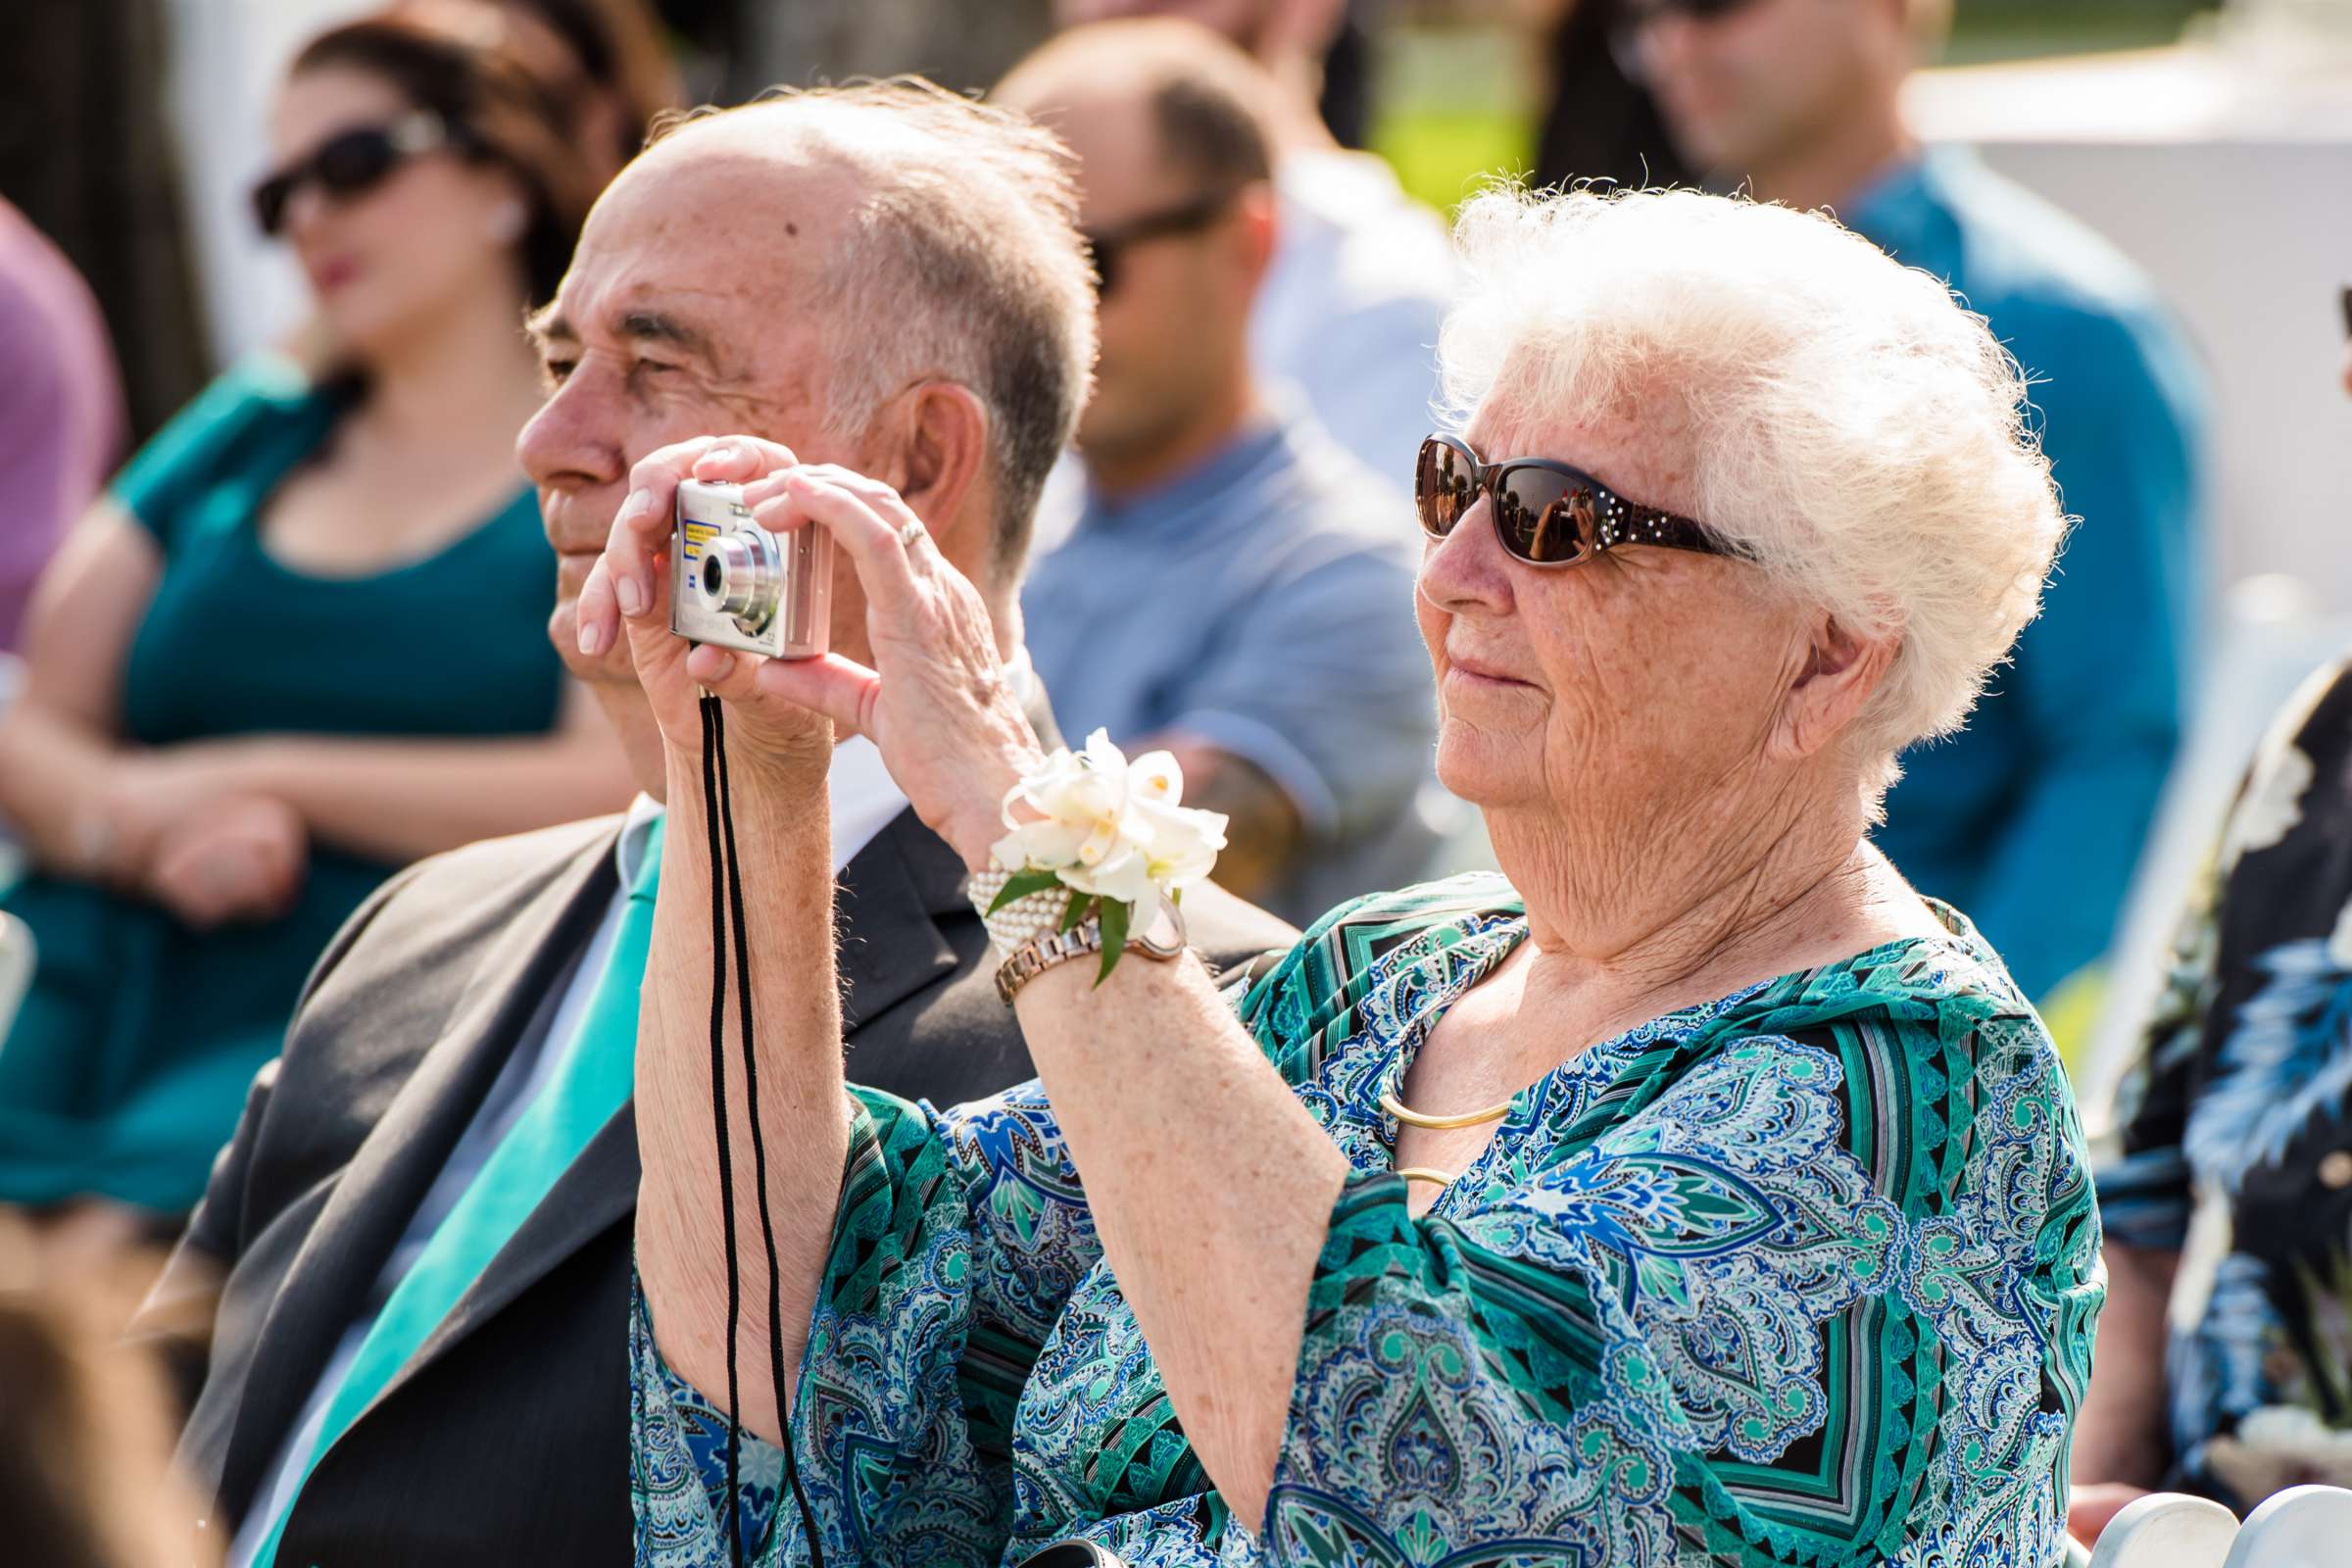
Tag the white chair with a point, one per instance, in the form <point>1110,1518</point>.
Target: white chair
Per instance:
<point>2302,1527</point>
<point>16,954</point>
<point>2168,1530</point>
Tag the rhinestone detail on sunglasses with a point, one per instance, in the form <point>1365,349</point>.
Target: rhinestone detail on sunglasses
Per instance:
<point>1449,478</point>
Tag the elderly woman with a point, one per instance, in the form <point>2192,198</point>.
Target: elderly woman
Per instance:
<point>1693,1192</point>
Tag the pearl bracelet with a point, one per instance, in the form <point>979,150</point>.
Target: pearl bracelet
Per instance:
<point>1022,922</point>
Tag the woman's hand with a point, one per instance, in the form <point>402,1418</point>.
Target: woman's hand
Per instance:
<point>628,593</point>
<point>241,858</point>
<point>2090,1509</point>
<point>936,701</point>
<point>148,797</point>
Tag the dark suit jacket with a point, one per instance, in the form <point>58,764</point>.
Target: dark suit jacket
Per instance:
<point>506,1440</point>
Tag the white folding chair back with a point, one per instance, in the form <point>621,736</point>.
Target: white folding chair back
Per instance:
<point>2168,1530</point>
<point>2302,1527</point>
<point>16,967</point>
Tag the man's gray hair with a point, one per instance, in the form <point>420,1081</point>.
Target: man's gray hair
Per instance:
<point>964,262</point>
<point>1850,422</point>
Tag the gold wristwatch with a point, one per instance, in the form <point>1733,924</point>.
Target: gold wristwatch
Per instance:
<point>1160,936</point>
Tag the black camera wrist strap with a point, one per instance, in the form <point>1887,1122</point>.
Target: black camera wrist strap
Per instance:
<point>726,914</point>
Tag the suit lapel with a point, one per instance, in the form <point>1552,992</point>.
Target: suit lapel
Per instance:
<point>891,949</point>
<point>890,893</point>
<point>596,1192</point>
<point>376,1195</point>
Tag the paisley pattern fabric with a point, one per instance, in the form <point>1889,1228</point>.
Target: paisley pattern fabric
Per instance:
<point>1804,1276</point>
<point>2235,1128</point>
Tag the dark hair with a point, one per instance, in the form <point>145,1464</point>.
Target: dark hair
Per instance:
<point>496,109</point>
<point>619,45</point>
<point>1209,127</point>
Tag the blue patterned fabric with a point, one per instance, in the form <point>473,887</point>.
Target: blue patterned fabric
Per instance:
<point>2235,1148</point>
<point>1801,1276</point>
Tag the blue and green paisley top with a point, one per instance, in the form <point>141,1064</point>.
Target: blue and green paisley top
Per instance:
<point>1805,1275</point>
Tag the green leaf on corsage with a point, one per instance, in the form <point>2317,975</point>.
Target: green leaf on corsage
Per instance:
<point>1115,935</point>
<point>1020,885</point>
<point>1074,915</point>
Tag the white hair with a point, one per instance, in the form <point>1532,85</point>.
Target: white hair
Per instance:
<point>962,261</point>
<point>1862,435</point>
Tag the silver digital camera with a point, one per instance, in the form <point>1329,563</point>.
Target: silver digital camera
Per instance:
<point>735,585</point>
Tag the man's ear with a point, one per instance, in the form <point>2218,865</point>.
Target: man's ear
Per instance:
<point>1836,676</point>
<point>942,463</point>
<point>1257,226</point>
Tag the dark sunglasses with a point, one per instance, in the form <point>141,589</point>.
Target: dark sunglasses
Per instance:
<point>1632,14</point>
<point>1631,17</point>
<point>1546,513</point>
<point>347,163</point>
<point>1190,219</point>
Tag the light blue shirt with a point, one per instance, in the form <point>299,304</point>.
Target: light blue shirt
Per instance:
<point>2032,819</point>
<point>1348,314</point>
<point>1261,603</point>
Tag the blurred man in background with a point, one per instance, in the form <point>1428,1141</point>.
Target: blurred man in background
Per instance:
<point>1361,272</point>
<point>1239,589</point>
<point>2031,820</point>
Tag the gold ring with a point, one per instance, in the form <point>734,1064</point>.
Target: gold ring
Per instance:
<point>910,531</point>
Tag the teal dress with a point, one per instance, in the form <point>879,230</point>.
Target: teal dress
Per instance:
<point>1803,1277</point>
<point>128,1064</point>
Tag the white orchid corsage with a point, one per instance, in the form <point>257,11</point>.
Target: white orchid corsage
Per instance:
<point>1101,835</point>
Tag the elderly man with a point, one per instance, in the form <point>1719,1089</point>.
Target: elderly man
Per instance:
<point>420,1350</point>
<point>2031,820</point>
<point>1237,587</point>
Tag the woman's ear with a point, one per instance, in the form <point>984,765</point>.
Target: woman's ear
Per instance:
<point>1835,679</point>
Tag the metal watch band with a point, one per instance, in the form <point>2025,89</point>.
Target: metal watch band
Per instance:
<point>1040,954</point>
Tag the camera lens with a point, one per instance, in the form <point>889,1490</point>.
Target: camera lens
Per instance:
<point>740,575</point>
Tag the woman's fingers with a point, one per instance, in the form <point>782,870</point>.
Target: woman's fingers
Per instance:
<point>772,688</point>
<point>872,543</point>
<point>596,616</point>
<point>641,530</point>
<point>841,689</point>
<point>740,458</point>
<point>641,527</point>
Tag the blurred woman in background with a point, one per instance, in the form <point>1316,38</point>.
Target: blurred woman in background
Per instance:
<point>301,642</point>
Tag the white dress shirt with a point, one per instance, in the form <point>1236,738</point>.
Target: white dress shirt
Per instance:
<point>865,799</point>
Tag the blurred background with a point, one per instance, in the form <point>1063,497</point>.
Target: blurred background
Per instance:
<point>2211,142</point>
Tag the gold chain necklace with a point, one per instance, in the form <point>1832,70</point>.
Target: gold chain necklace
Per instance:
<point>1405,1114</point>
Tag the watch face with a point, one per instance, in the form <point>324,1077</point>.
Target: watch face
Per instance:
<point>1160,935</point>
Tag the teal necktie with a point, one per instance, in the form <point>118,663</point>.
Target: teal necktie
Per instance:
<point>589,1085</point>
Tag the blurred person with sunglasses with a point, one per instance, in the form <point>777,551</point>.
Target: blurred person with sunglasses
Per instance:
<point>1691,1191</point>
<point>2032,820</point>
<point>1273,655</point>
<point>1360,272</point>
<point>300,643</point>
